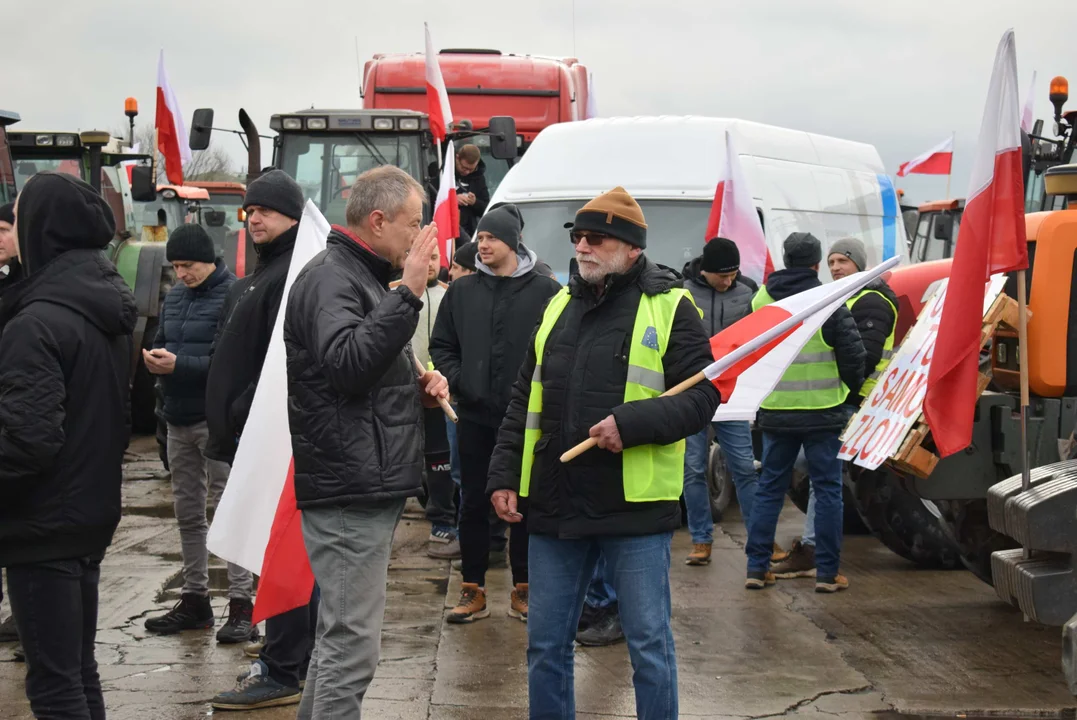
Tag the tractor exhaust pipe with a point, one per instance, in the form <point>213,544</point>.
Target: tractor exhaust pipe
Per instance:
<point>254,146</point>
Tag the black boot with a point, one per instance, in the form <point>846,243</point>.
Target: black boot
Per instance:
<point>8,633</point>
<point>192,612</point>
<point>606,630</point>
<point>239,627</point>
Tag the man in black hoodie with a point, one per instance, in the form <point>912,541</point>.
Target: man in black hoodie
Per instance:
<point>806,409</point>
<point>65,356</point>
<point>274,204</point>
<point>480,339</point>
<point>875,311</point>
<point>472,194</point>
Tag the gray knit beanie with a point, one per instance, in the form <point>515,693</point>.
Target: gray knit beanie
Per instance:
<point>853,249</point>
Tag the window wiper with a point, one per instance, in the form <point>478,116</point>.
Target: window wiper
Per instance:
<point>371,148</point>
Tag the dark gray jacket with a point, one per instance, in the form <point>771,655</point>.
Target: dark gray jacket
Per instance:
<point>353,400</point>
<point>720,310</point>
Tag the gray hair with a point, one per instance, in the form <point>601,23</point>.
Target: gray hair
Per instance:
<point>384,188</point>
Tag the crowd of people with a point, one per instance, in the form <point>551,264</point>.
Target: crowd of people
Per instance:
<point>532,368</point>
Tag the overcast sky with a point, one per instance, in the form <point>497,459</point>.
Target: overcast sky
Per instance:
<point>899,75</point>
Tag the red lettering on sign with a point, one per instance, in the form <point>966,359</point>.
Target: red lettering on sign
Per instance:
<point>849,448</point>
<point>916,397</point>
<point>894,389</point>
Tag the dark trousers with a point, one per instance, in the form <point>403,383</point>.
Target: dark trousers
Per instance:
<point>440,487</point>
<point>476,446</point>
<point>55,608</point>
<point>290,641</point>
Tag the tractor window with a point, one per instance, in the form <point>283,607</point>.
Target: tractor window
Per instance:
<point>7,172</point>
<point>326,165</point>
<point>919,243</point>
<point>26,168</point>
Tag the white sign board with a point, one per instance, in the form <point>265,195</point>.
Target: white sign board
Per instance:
<point>876,432</point>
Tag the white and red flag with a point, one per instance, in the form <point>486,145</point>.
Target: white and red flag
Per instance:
<point>936,161</point>
<point>752,354</point>
<point>992,241</point>
<point>446,210</point>
<point>1030,104</point>
<point>171,131</point>
<point>257,525</point>
<point>733,217</point>
<point>437,98</point>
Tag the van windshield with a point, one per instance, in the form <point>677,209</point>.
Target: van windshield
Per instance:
<point>675,230</point>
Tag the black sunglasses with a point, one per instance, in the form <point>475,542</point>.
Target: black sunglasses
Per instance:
<point>593,239</point>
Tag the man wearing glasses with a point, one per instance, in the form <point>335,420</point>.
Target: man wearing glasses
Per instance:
<point>606,348</point>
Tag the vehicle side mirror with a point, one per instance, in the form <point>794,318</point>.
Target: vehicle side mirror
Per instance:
<point>241,215</point>
<point>201,128</point>
<point>503,137</point>
<point>142,185</point>
<point>944,227</point>
<point>214,218</point>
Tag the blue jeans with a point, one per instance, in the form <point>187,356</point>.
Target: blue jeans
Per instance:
<point>735,437</point>
<point>638,568</point>
<point>809,521</point>
<point>600,594</point>
<point>824,468</point>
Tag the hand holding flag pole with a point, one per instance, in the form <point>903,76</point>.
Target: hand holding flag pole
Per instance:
<point>443,402</point>
<point>741,355</point>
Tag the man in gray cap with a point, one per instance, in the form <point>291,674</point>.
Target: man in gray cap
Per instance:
<point>481,336</point>
<point>806,409</point>
<point>875,311</point>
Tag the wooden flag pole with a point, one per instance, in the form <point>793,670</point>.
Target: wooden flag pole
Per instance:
<point>591,442</point>
<point>1022,351</point>
<point>445,406</point>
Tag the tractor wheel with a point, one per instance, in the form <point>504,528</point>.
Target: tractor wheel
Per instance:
<point>965,521</point>
<point>800,492</point>
<point>902,521</point>
<point>720,482</point>
<point>143,389</point>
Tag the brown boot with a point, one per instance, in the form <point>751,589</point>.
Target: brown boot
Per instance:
<point>472,605</point>
<point>518,602</point>
<point>798,563</point>
<point>777,554</point>
<point>700,555</point>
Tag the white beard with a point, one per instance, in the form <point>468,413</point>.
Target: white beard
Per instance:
<point>594,271</point>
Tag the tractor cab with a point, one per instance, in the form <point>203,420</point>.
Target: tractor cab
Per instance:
<point>8,187</point>
<point>935,236</point>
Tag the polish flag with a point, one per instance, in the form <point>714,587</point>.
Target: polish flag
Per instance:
<point>172,139</point>
<point>992,241</point>
<point>733,216</point>
<point>437,99</point>
<point>936,161</point>
<point>752,354</point>
<point>1030,103</point>
<point>446,211</point>
<point>257,525</point>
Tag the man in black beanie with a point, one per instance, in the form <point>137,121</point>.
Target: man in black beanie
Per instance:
<point>274,204</point>
<point>463,260</point>
<point>180,357</point>
<point>8,261</point>
<point>481,336</point>
<point>806,409</point>
<point>724,296</point>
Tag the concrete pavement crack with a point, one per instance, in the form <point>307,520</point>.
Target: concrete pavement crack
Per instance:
<point>813,699</point>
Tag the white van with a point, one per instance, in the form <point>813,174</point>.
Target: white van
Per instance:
<point>800,182</point>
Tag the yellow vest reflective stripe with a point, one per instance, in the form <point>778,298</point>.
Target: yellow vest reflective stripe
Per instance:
<point>812,381</point>
<point>650,472</point>
<point>888,346</point>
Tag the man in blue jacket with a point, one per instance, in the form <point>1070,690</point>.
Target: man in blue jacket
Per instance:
<point>180,357</point>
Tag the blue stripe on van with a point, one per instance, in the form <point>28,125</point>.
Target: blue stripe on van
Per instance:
<point>890,216</point>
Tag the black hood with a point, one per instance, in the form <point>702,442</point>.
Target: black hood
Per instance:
<point>881,286</point>
<point>784,283</point>
<point>58,213</point>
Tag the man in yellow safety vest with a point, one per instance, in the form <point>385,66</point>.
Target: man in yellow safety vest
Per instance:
<point>805,410</point>
<point>607,346</point>
<point>875,311</point>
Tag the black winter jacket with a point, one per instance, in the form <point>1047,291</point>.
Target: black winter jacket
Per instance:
<point>65,358</point>
<point>473,183</point>
<point>720,309</point>
<point>584,370</point>
<point>875,320</point>
<point>483,332</point>
<point>188,324</point>
<point>353,397</point>
<point>247,320</point>
<point>839,331</point>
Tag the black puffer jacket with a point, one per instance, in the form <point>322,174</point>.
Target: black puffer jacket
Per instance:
<point>250,311</point>
<point>65,356</point>
<point>720,309</point>
<point>189,321</point>
<point>353,398</point>
<point>482,334</point>
<point>839,331</point>
<point>584,370</point>
<point>875,320</point>
<point>473,183</point>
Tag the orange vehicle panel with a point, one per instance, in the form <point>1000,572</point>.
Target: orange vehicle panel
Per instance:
<point>224,188</point>
<point>1055,235</point>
